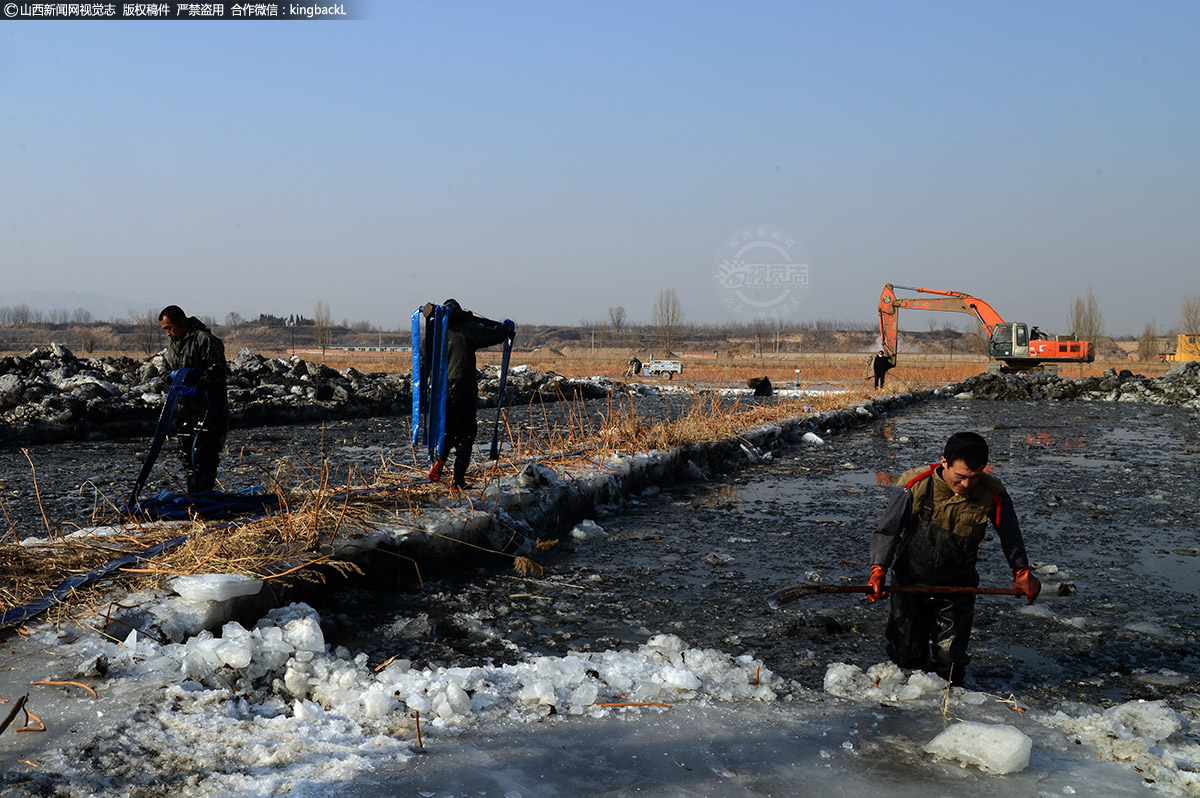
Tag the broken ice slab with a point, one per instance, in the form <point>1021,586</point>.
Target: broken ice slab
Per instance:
<point>993,748</point>
<point>215,587</point>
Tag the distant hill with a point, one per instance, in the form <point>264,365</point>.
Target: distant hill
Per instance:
<point>101,308</point>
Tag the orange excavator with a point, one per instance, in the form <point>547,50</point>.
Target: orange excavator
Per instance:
<point>1014,344</point>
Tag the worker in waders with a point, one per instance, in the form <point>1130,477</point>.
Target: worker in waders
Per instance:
<point>467,333</point>
<point>880,365</point>
<point>202,411</point>
<point>930,535</point>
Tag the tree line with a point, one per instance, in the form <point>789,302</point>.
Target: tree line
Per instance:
<point>667,325</point>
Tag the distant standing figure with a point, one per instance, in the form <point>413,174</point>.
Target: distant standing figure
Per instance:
<point>761,385</point>
<point>467,334</point>
<point>880,366</point>
<point>202,412</point>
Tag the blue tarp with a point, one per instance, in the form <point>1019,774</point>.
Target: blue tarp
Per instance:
<point>168,506</point>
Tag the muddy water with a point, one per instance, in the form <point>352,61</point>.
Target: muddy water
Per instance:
<point>1106,493</point>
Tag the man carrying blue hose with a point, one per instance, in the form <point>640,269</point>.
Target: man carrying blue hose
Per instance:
<point>202,411</point>
<point>468,333</point>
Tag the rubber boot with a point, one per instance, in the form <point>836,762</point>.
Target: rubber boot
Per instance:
<point>435,473</point>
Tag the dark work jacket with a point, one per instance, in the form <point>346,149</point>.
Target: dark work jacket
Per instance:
<point>930,535</point>
<point>468,333</point>
<point>204,353</point>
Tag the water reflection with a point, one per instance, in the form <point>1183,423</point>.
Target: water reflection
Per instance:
<point>1054,440</point>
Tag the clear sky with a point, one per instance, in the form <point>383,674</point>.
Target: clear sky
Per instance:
<point>546,161</point>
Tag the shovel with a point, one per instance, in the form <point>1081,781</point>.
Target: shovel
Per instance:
<point>790,594</point>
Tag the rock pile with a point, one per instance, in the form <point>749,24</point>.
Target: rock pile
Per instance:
<point>1179,387</point>
<point>51,395</point>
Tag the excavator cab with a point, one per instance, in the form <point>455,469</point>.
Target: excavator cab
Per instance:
<point>1010,339</point>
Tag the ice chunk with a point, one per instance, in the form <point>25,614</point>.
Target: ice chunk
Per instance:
<point>298,678</point>
<point>1148,628</point>
<point>200,658</point>
<point>281,615</point>
<point>812,439</point>
<point>680,678</point>
<point>131,643</point>
<point>377,702</point>
<point>409,628</point>
<point>271,651</point>
<point>215,587</point>
<point>457,699</point>
<point>537,692</point>
<point>587,530</point>
<point>845,680</point>
<point>582,697</point>
<point>1153,719</point>
<point>237,646</point>
<point>304,634</point>
<point>671,644</point>
<point>885,675</point>
<point>993,748</point>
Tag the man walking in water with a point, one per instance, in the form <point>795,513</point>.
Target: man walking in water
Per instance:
<point>930,535</point>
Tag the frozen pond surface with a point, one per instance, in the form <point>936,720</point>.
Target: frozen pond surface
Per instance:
<point>1108,501</point>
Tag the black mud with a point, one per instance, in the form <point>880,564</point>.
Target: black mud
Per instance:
<point>1108,501</point>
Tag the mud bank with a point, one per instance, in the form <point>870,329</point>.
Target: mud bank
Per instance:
<point>1179,387</point>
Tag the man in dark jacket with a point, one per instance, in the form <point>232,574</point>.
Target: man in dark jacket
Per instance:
<point>880,365</point>
<point>468,333</point>
<point>202,411</point>
<point>930,535</point>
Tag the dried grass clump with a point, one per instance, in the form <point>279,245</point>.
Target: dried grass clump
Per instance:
<point>29,571</point>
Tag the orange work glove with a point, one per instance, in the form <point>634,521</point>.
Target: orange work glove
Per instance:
<point>1027,583</point>
<point>875,583</point>
<point>435,473</point>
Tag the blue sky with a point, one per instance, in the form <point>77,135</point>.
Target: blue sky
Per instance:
<point>546,161</point>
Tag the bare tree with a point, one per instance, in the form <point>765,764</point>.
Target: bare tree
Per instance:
<point>1085,320</point>
<point>978,340</point>
<point>323,326</point>
<point>233,319</point>
<point>86,337</point>
<point>81,316</point>
<point>1189,318</point>
<point>147,328</point>
<point>667,316</point>
<point>16,314</point>
<point>617,320</point>
<point>1148,344</point>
